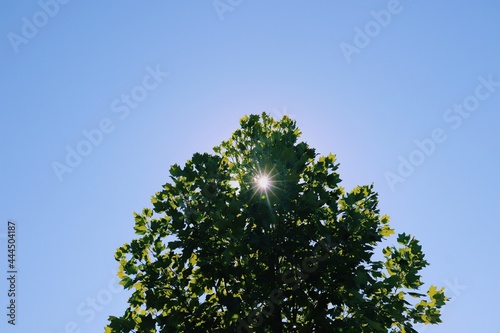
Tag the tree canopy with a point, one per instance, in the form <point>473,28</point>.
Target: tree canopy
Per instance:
<point>259,236</point>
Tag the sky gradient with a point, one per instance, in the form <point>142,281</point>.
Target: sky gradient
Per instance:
<point>99,100</point>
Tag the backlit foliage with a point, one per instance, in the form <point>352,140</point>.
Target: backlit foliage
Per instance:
<point>219,253</point>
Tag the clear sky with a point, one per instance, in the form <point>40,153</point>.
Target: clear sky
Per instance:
<point>99,99</point>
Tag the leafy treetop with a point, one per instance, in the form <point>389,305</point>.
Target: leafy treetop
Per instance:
<point>260,237</point>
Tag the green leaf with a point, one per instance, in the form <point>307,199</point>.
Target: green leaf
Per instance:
<point>404,239</point>
<point>386,231</point>
<point>130,268</point>
<point>176,170</point>
<point>416,295</point>
<point>140,229</point>
<point>126,282</point>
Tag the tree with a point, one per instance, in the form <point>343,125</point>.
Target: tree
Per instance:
<point>260,237</point>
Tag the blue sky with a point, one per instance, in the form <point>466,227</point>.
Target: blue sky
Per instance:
<point>405,93</point>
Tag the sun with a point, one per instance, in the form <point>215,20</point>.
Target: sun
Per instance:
<point>263,182</point>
